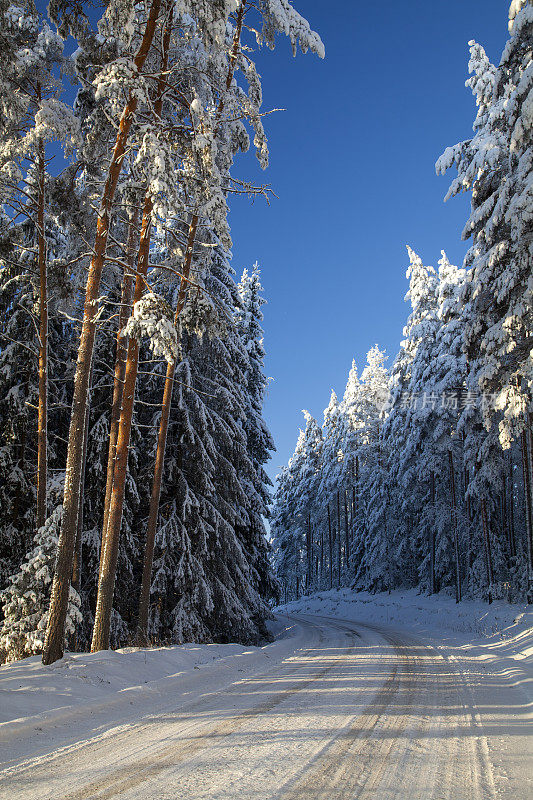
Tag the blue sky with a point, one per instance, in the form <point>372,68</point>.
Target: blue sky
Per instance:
<point>352,163</point>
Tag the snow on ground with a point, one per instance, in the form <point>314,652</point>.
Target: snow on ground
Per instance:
<point>83,691</point>
<point>373,696</point>
<point>498,635</point>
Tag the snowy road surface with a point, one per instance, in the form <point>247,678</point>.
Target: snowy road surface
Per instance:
<point>349,711</point>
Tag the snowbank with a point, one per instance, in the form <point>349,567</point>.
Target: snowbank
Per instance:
<point>96,690</point>
<point>408,608</point>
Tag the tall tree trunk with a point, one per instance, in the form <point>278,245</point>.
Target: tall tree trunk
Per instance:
<point>53,648</point>
<point>454,529</point>
<point>78,550</point>
<point>488,550</point>
<point>321,556</point>
<point>510,527</point>
<point>151,528</point>
<point>339,541</point>
<point>42,423</point>
<point>144,599</point>
<point>330,550</point>
<point>529,513</point>
<point>432,581</point>
<point>111,533</point>
<point>346,535</point>
<point>120,360</point>
<point>309,554</point>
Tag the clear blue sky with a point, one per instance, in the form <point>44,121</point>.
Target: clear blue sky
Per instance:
<point>352,163</point>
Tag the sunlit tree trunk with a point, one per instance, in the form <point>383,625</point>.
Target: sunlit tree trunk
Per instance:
<point>155,497</point>
<point>151,528</point>
<point>53,648</point>
<point>42,422</point>
<point>120,361</point>
<point>111,532</point>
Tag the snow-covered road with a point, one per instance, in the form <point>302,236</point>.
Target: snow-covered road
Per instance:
<point>350,710</point>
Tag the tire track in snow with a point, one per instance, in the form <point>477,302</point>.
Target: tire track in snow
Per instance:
<point>375,755</point>
<point>201,737</point>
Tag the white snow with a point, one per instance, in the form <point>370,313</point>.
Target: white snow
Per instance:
<point>87,690</point>
<point>499,635</point>
<point>389,697</point>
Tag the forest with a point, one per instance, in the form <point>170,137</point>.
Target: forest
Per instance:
<point>421,476</point>
<point>135,506</point>
<point>133,494</point>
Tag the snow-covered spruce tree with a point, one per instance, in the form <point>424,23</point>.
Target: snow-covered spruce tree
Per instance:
<point>288,528</point>
<point>371,554</point>
<point>350,465</point>
<point>330,480</point>
<point>308,511</point>
<point>18,389</point>
<point>285,552</point>
<point>259,441</point>
<point>296,523</point>
<point>221,138</point>
<point>437,416</point>
<point>404,432</point>
<point>25,601</point>
<point>239,540</point>
<point>496,165</point>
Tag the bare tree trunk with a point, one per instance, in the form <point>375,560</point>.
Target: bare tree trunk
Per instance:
<point>488,550</point>
<point>111,533</point>
<point>309,554</point>
<point>53,648</point>
<point>120,361</point>
<point>510,527</point>
<point>346,535</point>
<point>330,551</point>
<point>155,497</point>
<point>455,532</point>
<point>339,542</point>
<point>78,550</point>
<point>42,422</point>
<point>321,555</point>
<point>432,538</point>
<point>529,513</point>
